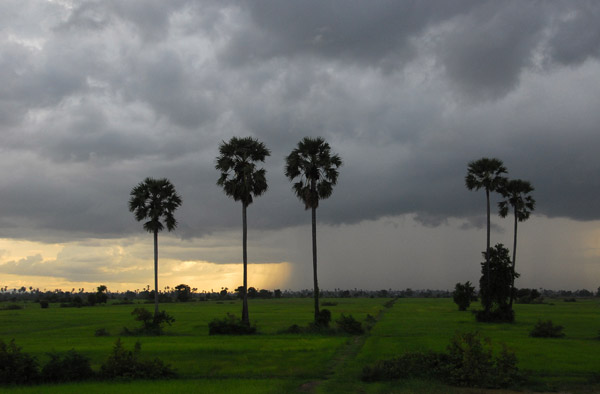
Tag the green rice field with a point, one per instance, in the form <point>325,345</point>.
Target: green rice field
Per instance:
<point>271,362</point>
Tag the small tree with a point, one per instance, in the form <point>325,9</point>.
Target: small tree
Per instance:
<point>182,292</point>
<point>496,298</point>
<point>463,295</point>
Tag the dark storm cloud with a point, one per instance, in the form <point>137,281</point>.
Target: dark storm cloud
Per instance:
<point>98,95</point>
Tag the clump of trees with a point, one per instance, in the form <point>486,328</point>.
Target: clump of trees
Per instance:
<point>488,174</point>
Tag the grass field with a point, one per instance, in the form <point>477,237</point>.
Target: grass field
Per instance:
<point>290,363</point>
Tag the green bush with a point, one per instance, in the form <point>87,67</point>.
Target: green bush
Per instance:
<point>546,329</point>
<point>463,295</point>
<point>230,325</point>
<point>323,318</point>
<point>71,366</point>
<point>101,332</point>
<point>44,304</point>
<point>126,364</point>
<point>469,361</point>
<point>151,324</point>
<point>16,367</point>
<point>349,325</point>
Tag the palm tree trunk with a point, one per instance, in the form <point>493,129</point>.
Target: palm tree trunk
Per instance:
<point>487,249</point>
<point>314,251</point>
<point>245,317</point>
<point>155,273</point>
<point>512,285</point>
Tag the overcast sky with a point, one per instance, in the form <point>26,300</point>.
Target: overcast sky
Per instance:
<point>97,95</point>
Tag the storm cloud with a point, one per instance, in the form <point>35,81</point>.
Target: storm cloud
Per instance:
<point>98,95</point>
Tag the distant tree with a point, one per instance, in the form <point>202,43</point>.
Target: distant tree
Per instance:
<point>182,292</point>
<point>463,295</point>
<point>516,195</point>
<point>223,292</point>
<point>242,180</point>
<point>155,200</point>
<point>486,173</point>
<point>101,296</point>
<point>277,293</point>
<point>315,170</point>
<point>252,292</point>
<point>499,273</point>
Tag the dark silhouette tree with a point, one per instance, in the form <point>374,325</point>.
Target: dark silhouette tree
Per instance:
<point>516,195</point>
<point>316,171</point>
<point>486,173</point>
<point>463,295</point>
<point>496,270</point>
<point>155,201</point>
<point>242,180</point>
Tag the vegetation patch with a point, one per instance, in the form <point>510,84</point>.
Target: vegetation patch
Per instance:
<point>230,325</point>
<point>469,362</point>
<point>151,324</point>
<point>16,367</point>
<point>126,364</point>
<point>68,367</point>
<point>546,329</point>
<point>349,325</point>
<point>463,295</point>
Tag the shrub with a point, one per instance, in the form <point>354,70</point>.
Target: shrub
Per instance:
<point>16,367</point>
<point>44,304</point>
<point>498,315</point>
<point>151,324</point>
<point>546,329</point>
<point>125,364</point>
<point>230,325</point>
<point>71,366</point>
<point>101,332</point>
<point>469,361</point>
<point>323,318</point>
<point>12,307</point>
<point>463,295</point>
<point>349,325</point>
<point>409,365</point>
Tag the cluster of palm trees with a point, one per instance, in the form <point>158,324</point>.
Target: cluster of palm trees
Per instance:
<point>311,165</point>
<point>488,174</point>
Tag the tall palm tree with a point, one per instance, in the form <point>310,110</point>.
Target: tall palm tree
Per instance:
<point>516,194</point>
<point>155,200</point>
<point>486,173</point>
<point>317,170</point>
<point>242,180</point>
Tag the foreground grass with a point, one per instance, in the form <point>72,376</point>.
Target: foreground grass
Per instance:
<point>286,363</point>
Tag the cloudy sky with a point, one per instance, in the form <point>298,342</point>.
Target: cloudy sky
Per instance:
<point>97,95</point>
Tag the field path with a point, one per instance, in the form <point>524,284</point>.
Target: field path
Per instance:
<point>339,374</point>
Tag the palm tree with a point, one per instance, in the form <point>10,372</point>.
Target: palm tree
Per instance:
<point>241,180</point>
<point>486,173</point>
<point>316,168</point>
<point>155,200</point>
<point>516,194</point>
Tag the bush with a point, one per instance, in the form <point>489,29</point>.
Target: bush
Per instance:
<point>44,304</point>
<point>101,332</point>
<point>349,325</point>
<point>546,329</point>
<point>409,365</point>
<point>230,325</point>
<point>12,307</point>
<point>71,366</point>
<point>125,364</point>
<point>151,324</point>
<point>463,295</point>
<point>469,361</point>
<point>323,318</point>
<point>16,367</point>
<point>499,315</point>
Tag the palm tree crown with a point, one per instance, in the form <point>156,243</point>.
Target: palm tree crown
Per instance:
<point>239,177</point>
<point>316,167</point>
<point>516,194</point>
<point>485,173</point>
<point>154,199</point>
